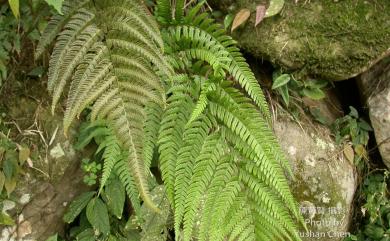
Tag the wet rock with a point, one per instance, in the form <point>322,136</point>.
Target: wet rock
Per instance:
<point>325,181</point>
<point>375,89</point>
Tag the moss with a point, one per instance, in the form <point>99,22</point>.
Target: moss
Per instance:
<point>332,40</point>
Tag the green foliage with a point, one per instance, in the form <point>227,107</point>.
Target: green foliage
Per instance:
<point>191,97</point>
<point>375,210</point>
<point>18,33</point>
<point>97,215</point>
<point>286,85</point>
<point>77,206</point>
<point>107,51</point>
<point>352,128</point>
<point>91,170</point>
<point>13,157</point>
<point>15,6</point>
<point>101,218</point>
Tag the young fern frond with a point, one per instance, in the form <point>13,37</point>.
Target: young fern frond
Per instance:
<point>96,55</point>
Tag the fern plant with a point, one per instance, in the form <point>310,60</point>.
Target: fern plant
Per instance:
<point>108,52</point>
<point>191,96</point>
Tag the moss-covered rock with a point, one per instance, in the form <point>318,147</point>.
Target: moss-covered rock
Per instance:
<point>335,40</point>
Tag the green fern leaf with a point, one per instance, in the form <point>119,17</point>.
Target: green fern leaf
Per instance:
<point>96,55</point>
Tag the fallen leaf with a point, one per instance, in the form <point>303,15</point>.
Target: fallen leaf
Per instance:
<point>260,13</point>
<point>240,18</point>
<point>275,6</point>
<point>349,153</point>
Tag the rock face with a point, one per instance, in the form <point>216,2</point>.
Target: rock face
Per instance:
<point>51,180</point>
<point>325,181</point>
<point>320,39</point>
<point>375,88</point>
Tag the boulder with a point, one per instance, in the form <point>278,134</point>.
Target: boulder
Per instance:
<point>375,88</point>
<point>325,181</point>
<point>334,40</point>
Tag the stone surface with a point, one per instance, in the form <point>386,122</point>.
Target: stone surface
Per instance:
<point>325,181</point>
<point>375,89</point>
<point>318,39</point>
<point>52,174</point>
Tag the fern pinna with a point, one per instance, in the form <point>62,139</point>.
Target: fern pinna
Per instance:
<point>190,95</point>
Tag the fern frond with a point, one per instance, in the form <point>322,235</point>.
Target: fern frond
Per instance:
<point>237,66</point>
<point>205,166</point>
<point>171,132</point>
<point>56,24</point>
<point>250,161</point>
<point>151,128</point>
<point>111,155</point>
<point>122,168</point>
<point>96,55</point>
<point>163,11</point>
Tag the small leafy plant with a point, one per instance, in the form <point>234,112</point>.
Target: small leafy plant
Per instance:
<point>286,85</point>
<point>91,169</point>
<point>375,210</point>
<point>354,131</point>
<point>12,158</point>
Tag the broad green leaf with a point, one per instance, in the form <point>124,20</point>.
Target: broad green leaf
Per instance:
<point>315,94</point>
<point>14,4</point>
<point>275,6</point>
<point>10,185</point>
<point>240,18</point>
<point>97,215</point>
<point>281,81</point>
<point>53,238</point>
<point>115,196</point>
<point>364,125</point>
<point>77,206</point>
<point>6,220</point>
<point>353,112</point>
<point>57,4</point>
<point>285,95</point>
<point>86,235</point>
<point>228,20</point>
<point>317,83</point>
<point>10,165</point>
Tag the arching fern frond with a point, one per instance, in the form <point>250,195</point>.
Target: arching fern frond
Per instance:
<point>96,52</point>
<point>220,161</point>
